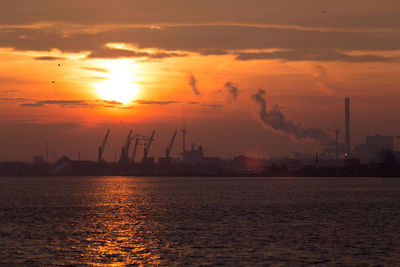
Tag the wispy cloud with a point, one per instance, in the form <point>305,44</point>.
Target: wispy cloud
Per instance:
<point>48,58</point>
<point>96,69</point>
<point>305,55</point>
<point>74,103</point>
<point>24,102</point>
<point>232,89</point>
<point>110,102</point>
<point>32,105</point>
<point>122,53</point>
<point>14,99</point>
<point>322,79</point>
<point>212,105</point>
<point>193,84</point>
<point>10,91</point>
<point>154,102</point>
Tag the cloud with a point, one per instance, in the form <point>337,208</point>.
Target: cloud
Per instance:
<point>123,53</point>
<point>193,84</point>
<point>153,102</point>
<point>24,102</point>
<point>232,89</point>
<point>321,79</point>
<point>340,13</point>
<point>164,103</point>
<point>208,52</point>
<point>98,78</point>
<point>320,72</point>
<point>302,55</point>
<point>10,91</point>
<point>96,69</point>
<point>110,102</point>
<point>14,99</point>
<point>275,120</point>
<point>48,58</point>
<point>64,103</point>
<point>291,43</point>
<point>32,105</point>
<point>212,105</point>
<point>74,103</point>
<point>114,53</point>
<point>53,124</point>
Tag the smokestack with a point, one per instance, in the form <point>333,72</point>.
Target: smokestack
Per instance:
<point>347,123</point>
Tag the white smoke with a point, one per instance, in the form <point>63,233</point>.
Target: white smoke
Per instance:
<point>276,120</point>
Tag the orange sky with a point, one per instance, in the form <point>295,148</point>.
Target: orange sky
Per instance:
<point>69,70</point>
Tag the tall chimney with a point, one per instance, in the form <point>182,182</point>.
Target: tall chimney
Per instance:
<point>347,118</point>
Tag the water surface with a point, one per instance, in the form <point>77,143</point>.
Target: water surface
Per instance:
<point>199,221</point>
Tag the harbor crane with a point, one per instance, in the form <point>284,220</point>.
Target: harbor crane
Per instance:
<point>147,147</point>
<point>102,147</point>
<point>125,149</point>
<point>184,132</point>
<point>135,146</point>
<point>169,148</point>
<point>138,138</point>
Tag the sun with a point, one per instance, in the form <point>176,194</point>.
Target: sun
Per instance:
<point>121,82</point>
<point>117,89</point>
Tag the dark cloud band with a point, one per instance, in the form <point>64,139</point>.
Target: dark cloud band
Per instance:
<point>177,41</point>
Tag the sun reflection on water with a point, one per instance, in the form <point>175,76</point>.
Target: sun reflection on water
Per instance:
<point>120,232</point>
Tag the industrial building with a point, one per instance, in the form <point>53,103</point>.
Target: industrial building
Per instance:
<point>369,151</point>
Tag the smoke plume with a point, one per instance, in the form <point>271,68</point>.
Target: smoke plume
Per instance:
<point>275,119</point>
<point>193,84</point>
<point>232,89</point>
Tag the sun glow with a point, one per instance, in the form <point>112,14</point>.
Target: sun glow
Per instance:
<point>121,84</point>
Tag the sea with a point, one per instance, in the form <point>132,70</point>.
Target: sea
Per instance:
<point>197,221</point>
